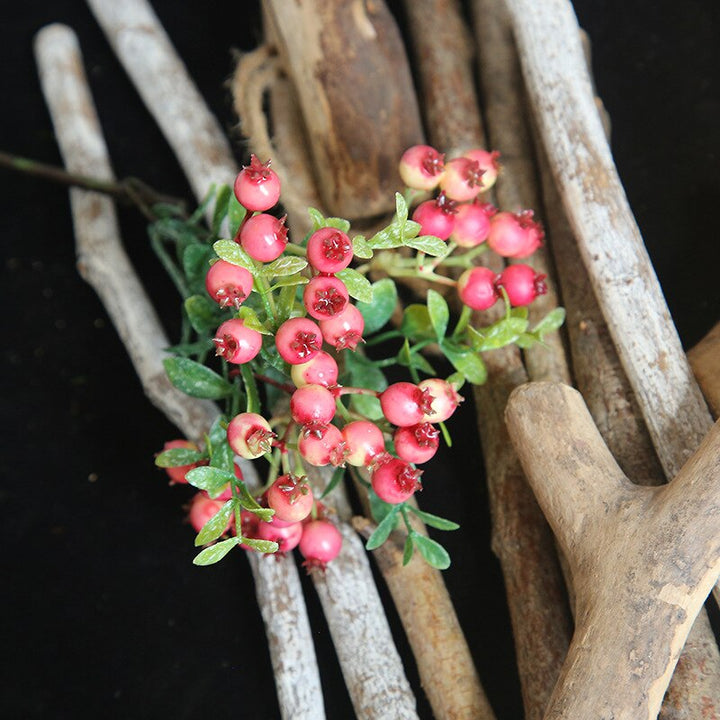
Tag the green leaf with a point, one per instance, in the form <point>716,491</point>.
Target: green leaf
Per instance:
<point>337,476</point>
<point>195,379</point>
<point>218,433</point>
<point>419,362</point>
<point>196,262</point>
<point>178,457</point>
<point>363,373</point>
<point>285,265</point>
<point>210,479</point>
<point>387,238</point>
<point>233,253</point>
<point>263,546</point>
<point>215,553</point>
<point>251,320</point>
<point>434,520</point>
<point>367,405</point>
<point>236,214</point>
<point>361,247</point>
<point>340,223</point>
<point>379,509</point>
<point>289,281</point>
<point>203,313</point>
<point>222,196</point>
<point>408,550</point>
<point>318,219</point>
<point>552,321</point>
<point>439,313</point>
<point>433,552</point>
<point>429,244</point>
<point>497,335</point>
<point>216,525</point>
<point>416,323</point>
<point>383,530</point>
<point>357,285</point>
<point>188,349</point>
<point>223,458</point>
<point>384,302</point>
<point>457,379</point>
<point>527,340</point>
<point>466,361</point>
<point>401,209</point>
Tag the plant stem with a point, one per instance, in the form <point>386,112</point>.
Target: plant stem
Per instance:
<point>465,315</point>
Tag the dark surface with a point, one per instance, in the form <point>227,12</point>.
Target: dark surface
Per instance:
<point>103,612</point>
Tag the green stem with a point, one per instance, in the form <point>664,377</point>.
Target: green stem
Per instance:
<point>344,412</point>
<point>382,337</point>
<point>295,249</point>
<point>465,316</point>
<point>466,258</point>
<point>170,268</point>
<point>424,275</point>
<point>253,397</point>
<point>449,249</point>
<point>263,290</point>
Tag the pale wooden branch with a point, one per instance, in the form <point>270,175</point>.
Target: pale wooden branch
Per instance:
<point>103,264</point>
<point>705,362</point>
<point>643,558</point>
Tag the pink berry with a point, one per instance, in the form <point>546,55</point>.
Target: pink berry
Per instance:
<point>476,287</point>
<point>312,405</point>
<point>417,443</point>
<point>320,543</point>
<point>202,509</point>
<point>488,161</point>
<point>515,235</point>
<point>177,474</point>
<point>364,442</point>
<point>395,481</point>
<point>404,404</point>
<point>249,523</point>
<point>445,399</point>
<point>257,187</point>
<point>228,284</point>
<point>287,536</point>
<point>320,370</point>
<point>236,343</point>
<point>298,340</point>
<point>472,224</point>
<point>264,237</point>
<point>422,167</point>
<point>290,497</point>
<point>522,284</point>
<point>436,217</point>
<point>250,435</point>
<point>344,330</point>
<point>329,250</point>
<point>463,179</point>
<point>325,296</point>
<point>322,445</point>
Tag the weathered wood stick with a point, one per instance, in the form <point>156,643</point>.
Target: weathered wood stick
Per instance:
<point>619,268</point>
<point>339,56</point>
<point>643,558</point>
<point>705,363</point>
<point>103,264</point>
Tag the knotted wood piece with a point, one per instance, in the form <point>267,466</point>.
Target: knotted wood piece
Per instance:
<point>643,559</point>
<point>103,263</point>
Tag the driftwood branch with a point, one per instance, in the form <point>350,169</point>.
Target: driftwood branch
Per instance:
<point>705,363</point>
<point>643,559</point>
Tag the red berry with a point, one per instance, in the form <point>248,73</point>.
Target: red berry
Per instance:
<point>177,474</point>
<point>290,497</point>
<point>320,543</point>
<point>422,167</point>
<point>329,250</point>
<point>488,161</point>
<point>405,404</point>
<point>228,284</point>
<point>250,435</point>
<point>257,187</point>
<point>236,343</point>
<point>522,284</point>
<point>322,445</point>
<point>395,481</point>
<point>463,179</point>
<point>325,296</point>
<point>202,509</point>
<point>472,224</point>
<point>298,340</point>
<point>445,399</point>
<point>515,235</point>
<point>476,287</point>
<point>320,370</point>
<point>417,443</point>
<point>364,442</point>
<point>249,523</point>
<point>312,405</point>
<point>436,217</point>
<point>344,330</point>
<point>264,237</point>
<point>287,536</point>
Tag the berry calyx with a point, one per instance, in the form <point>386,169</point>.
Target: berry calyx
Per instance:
<point>312,405</point>
<point>325,296</point>
<point>228,284</point>
<point>405,404</point>
<point>364,442</point>
<point>290,497</point>
<point>476,288</point>
<point>488,160</point>
<point>320,370</point>
<point>298,340</point>
<point>329,250</point>
<point>521,283</point>
<point>436,217</point>
<point>257,187</point>
<point>323,445</point>
<point>463,179</point>
<point>345,329</point>
<point>320,543</point>
<point>472,224</point>
<point>445,402</point>
<point>264,237</point>
<point>417,443</point>
<point>250,435</point>
<point>237,343</point>
<point>515,235</point>
<point>395,481</point>
<point>421,167</point>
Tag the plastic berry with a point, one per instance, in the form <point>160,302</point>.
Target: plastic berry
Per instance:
<point>228,284</point>
<point>422,167</point>
<point>445,399</point>
<point>405,404</point>
<point>290,497</point>
<point>320,543</point>
<point>463,179</point>
<point>312,405</point>
<point>364,442</point>
<point>202,509</point>
<point>249,523</point>
<point>257,187</point>
<point>298,340</point>
<point>264,237</point>
<point>395,481</point>
<point>329,250</point>
<point>323,445</point>
<point>476,288</point>
<point>287,535</point>
<point>488,161</point>
<point>344,330</point>
<point>325,296</point>
<point>521,283</point>
<point>515,235</point>
<point>436,217</point>
<point>177,474</point>
<point>320,370</point>
<point>237,343</point>
<point>250,435</point>
<point>472,224</point>
<point>417,443</point>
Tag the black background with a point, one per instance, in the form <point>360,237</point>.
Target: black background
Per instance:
<point>103,612</point>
